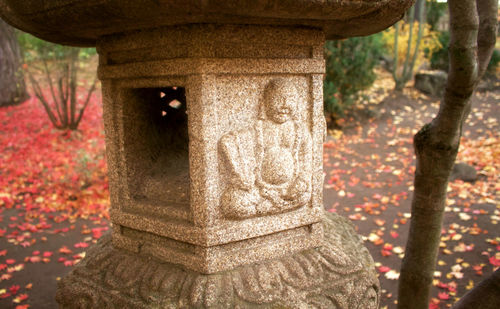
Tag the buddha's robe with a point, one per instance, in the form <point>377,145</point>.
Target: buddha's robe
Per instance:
<point>269,168</point>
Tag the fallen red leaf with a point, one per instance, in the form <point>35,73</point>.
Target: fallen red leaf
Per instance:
<point>494,261</point>
<point>65,250</point>
<point>81,245</point>
<point>383,269</point>
<point>434,303</point>
<point>20,298</point>
<point>13,289</point>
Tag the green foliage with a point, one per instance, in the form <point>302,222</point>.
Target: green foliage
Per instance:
<point>35,49</point>
<point>349,69</point>
<point>495,59</point>
<point>408,33</point>
<point>439,58</point>
<point>435,10</point>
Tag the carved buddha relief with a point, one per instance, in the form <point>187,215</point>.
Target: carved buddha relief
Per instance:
<point>269,163</point>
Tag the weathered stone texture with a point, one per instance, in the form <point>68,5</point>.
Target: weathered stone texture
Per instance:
<point>339,274</point>
<point>82,22</point>
<point>233,174</point>
<point>431,82</point>
<point>463,171</point>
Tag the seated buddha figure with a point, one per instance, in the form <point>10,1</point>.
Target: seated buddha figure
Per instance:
<point>269,163</point>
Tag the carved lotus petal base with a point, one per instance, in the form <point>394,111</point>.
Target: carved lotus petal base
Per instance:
<point>340,274</point>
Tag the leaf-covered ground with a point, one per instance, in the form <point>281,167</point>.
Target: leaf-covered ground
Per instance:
<point>53,200</point>
<point>369,173</point>
<point>54,195</point>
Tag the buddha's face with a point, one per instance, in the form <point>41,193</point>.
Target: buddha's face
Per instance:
<point>280,107</point>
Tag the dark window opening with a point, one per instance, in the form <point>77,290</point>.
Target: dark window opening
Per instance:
<point>156,138</point>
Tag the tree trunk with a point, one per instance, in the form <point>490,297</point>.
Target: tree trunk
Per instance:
<point>12,85</point>
<point>420,11</point>
<point>473,33</point>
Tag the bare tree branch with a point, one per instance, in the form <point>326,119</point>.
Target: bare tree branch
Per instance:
<point>410,36</point>
<point>39,95</point>
<point>65,99</point>
<point>65,77</point>
<point>49,82</point>
<point>61,89</point>
<point>87,100</point>
<point>396,37</point>
<point>486,38</point>
<point>421,22</point>
<point>72,84</point>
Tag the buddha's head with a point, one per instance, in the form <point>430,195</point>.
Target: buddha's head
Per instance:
<point>280,101</point>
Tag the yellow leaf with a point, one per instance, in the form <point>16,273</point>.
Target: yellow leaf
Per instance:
<point>398,250</point>
<point>456,237</point>
<point>446,251</point>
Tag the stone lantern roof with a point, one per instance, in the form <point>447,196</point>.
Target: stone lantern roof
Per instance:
<point>81,22</point>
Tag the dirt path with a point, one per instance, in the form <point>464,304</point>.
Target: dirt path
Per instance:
<point>369,178</point>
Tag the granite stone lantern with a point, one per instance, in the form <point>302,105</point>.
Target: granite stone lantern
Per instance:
<point>213,114</point>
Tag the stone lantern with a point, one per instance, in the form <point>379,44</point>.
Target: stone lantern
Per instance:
<point>204,177</point>
<point>213,114</point>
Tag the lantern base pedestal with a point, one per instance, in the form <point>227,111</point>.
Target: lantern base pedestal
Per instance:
<point>339,274</point>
